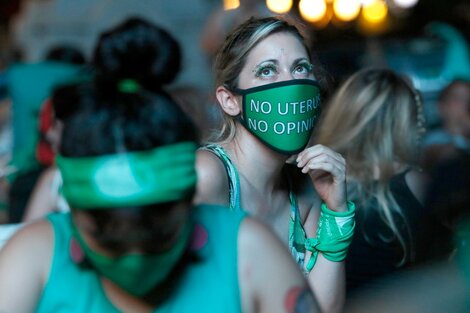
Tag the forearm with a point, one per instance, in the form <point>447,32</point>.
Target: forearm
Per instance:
<point>327,280</point>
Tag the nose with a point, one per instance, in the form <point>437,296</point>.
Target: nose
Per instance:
<point>285,75</point>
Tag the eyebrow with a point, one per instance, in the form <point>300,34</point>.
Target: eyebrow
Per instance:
<point>266,61</point>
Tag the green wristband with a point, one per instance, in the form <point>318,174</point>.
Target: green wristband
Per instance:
<point>334,235</point>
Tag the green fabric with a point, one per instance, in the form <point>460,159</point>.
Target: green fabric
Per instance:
<point>297,235</point>
<point>128,86</point>
<point>334,235</point>
<point>136,273</point>
<point>163,174</point>
<point>462,240</point>
<point>232,174</point>
<point>208,285</point>
<point>29,85</point>
<point>282,115</point>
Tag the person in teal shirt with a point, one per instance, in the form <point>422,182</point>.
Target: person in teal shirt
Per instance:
<point>133,242</point>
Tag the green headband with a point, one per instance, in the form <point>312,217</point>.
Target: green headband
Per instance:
<point>129,179</point>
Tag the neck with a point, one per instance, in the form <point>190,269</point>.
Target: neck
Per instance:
<point>260,166</point>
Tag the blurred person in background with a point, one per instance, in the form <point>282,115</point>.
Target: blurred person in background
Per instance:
<point>453,135</point>
<point>442,284</point>
<point>259,161</point>
<point>132,241</point>
<point>222,21</point>
<point>29,87</point>
<point>375,119</point>
<point>46,196</point>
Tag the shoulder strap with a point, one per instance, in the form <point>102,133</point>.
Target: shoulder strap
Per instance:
<point>232,174</point>
<point>297,235</point>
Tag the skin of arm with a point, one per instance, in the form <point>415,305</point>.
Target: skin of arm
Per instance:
<point>326,169</point>
<point>42,201</point>
<point>327,279</point>
<point>270,281</point>
<point>22,280</point>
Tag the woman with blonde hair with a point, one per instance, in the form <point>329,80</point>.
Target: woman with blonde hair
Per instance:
<point>375,120</point>
<point>269,92</point>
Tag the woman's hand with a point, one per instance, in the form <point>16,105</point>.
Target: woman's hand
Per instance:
<point>327,169</point>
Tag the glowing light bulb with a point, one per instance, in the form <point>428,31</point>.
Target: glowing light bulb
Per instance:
<point>375,12</point>
<point>346,10</point>
<point>312,10</point>
<point>231,4</point>
<point>405,3</point>
<point>279,6</point>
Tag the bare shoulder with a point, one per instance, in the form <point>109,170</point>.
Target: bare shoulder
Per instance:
<point>417,182</point>
<point>32,240</point>
<point>212,184</point>
<point>24,267</point>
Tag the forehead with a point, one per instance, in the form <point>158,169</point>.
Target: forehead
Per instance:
<point>277,46</point>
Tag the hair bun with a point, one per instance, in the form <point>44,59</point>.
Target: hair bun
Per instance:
<point>139,50</point>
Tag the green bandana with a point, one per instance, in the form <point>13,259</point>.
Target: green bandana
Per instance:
<point>136,273</point>
<point>282,115</point>
<point>129,179</point>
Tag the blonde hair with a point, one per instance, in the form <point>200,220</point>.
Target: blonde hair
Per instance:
<point>375,121</point>
<point>231,59</point>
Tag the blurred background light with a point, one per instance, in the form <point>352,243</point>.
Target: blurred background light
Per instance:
<point>231,4</point>
<point>375,11</point>
<point>312,10</point>
<point>279,6</point>
<point>405,3</point>
<point>346,10</point>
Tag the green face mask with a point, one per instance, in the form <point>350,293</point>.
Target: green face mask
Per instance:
<point>138,274</point>
<point>282,115</point>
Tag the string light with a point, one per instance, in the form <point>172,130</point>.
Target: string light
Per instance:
<point>346,10</point>
<point>312,10</point>
<point>279,6</point>
<point>231,4</point>
<point>375,11</point>
<point>405,3</point>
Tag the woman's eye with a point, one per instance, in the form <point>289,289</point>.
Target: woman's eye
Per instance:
<point>266,71</point>
<point>303,69</point>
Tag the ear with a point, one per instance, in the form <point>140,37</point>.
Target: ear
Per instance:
<point>228,101</point>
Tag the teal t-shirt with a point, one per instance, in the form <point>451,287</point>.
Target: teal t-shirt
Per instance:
<point>208,285</point>
<point>29,85</point>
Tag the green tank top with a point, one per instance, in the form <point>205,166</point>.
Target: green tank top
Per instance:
<point>208,285</point>
<point>297,235</point>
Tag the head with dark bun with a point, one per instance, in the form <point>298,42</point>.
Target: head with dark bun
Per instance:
<point>126,112</point>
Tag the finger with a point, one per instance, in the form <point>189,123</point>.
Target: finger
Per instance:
<point>324,158</point>
<point>338,172</point>
<point>292,159</point>
<point>315,151</point>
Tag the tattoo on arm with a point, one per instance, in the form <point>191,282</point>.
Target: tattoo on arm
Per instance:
<point>299,299</point>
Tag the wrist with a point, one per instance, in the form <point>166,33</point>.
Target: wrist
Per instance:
<point>347,209</point>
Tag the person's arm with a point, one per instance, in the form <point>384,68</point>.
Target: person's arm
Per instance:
<point>24,266</point>
<point>327,170</point>
<point>270,280</point>
<point>42,200</point>
<point>212,181</point>
<point>327,278</point>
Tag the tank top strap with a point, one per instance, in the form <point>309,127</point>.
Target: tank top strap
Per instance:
<point>232,174</point>
<point>297,235</point>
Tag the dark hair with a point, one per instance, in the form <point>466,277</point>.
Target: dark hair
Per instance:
<point>67,54</point>
<point>110,120</point>
<point>136,49</point>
